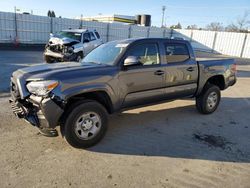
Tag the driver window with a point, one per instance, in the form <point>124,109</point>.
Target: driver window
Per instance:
<point>147,53</point>
<point>86,36</point>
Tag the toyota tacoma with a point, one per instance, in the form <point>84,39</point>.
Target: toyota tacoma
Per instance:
<point>113,77</point>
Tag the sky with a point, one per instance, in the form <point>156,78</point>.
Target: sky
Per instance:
<point>186,12</point>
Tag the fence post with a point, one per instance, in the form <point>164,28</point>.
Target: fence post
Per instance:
<point>214,42</point>
<point>51,25</point>
<point>171,33</point>
<point>129,31</point>
<point>191,36</point>
<point>164,33</point>
<point>81,22</point>
<point>107,35</point>
<point>148,31</point>
<point>243,45</point>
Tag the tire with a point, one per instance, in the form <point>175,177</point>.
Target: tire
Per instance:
<point>208,101</point>
<point>79,57</point>
<point>82,128</point>
<point>49,59</point>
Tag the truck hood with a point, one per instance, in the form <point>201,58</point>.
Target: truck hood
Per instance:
<point>62,41</point>
<point>57,71</point>
<point>43,71</point>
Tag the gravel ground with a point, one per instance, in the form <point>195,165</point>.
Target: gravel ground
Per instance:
<point>166,145</point>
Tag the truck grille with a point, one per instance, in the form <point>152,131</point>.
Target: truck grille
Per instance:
<point>56,48</point>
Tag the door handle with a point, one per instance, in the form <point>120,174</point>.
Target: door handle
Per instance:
<point>159,72</point>
<point>190,69</point>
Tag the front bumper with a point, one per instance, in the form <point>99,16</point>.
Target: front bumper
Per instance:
<point>38,111</point>
<point>59,56</point>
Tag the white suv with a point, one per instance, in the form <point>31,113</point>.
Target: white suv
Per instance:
<point>71,45</point>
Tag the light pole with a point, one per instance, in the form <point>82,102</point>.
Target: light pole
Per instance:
<point>163,14</point>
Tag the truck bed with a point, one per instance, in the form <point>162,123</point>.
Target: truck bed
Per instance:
<point>200,59</point>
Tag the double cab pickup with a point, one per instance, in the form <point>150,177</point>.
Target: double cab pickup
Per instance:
<point>115,76</point>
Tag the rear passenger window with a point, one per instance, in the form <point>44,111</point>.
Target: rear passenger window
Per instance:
<point>97,35</point>
<point>92,36</point>
<point>176,52</point>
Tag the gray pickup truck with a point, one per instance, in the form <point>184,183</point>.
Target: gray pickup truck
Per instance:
<point>113,77</point>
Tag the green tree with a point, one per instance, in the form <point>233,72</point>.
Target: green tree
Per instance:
<point>53,14</point>
<point>178,26</point>
<point>192,27</point>
<point>49,13</point>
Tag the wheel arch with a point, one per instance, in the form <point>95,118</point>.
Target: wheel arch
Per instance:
<point>217,80</point>
<point>100,96</point>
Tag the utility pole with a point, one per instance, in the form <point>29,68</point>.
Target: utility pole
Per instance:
<point>163,15</point>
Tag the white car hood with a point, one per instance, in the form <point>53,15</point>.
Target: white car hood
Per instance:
<point>62,41</point>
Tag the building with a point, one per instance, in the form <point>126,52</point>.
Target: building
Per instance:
<point>112,19</point>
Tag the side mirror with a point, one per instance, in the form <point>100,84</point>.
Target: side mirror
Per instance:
<point>86,40</point>
<point>132,60</point>
<point>51,35</point>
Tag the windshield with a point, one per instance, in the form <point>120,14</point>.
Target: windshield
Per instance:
<point>105,53</point>
<point>72,35</point>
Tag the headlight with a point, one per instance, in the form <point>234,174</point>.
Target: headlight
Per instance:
<point>41,88</point>
<point>70,50</point>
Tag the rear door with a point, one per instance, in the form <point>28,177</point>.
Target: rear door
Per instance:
<point>99,40</point>
<point>181,69</point>
<point>93,40</point>
<point>143,83</point>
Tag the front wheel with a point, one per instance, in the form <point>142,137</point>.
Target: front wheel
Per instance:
<point>85,124</point>
<point>208,101</point>
<point>79,59</point>
<point>49,59</point>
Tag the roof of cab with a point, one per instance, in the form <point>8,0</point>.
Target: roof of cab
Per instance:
<point>78,30</point>
<point>130,40</point>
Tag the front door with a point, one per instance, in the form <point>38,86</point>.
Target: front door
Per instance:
<point>145,82</point>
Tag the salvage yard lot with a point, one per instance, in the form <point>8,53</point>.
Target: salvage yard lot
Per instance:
<point>166,145</point>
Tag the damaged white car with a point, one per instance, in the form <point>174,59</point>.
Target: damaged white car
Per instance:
<point>71,45</point>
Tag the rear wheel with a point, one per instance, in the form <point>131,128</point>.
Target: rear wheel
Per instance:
<point>86,124</point>
<point>208,101</point>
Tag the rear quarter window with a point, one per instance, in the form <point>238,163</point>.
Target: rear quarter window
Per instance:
<point>176,52</point>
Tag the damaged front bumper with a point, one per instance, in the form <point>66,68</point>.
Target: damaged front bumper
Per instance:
<point>38,111</point>
<point>60,56</point>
